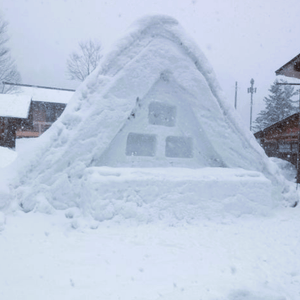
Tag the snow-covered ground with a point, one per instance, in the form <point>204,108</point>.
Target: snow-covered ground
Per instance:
<point>65,255</point>
<point>247,258</point>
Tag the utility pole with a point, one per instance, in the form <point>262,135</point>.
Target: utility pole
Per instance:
<point>235,98</point>
<point>251,90</point>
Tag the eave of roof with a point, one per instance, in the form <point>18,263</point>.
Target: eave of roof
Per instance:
<point>44,93</point>
<point>291,61</point>
<point>38,86</point>
<point>261,133</point>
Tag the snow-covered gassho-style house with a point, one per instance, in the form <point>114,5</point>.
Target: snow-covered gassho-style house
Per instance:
<point>149,134</point>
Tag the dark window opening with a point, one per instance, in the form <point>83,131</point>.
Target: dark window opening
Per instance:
<point>140,144</point>
<point>179,146</point>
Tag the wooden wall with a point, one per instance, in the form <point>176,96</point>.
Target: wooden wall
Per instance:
<point>8,128</point>
<point>281,140</point>
<point>41,116</point>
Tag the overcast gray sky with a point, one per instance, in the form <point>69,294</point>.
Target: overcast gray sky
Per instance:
<point>242,39</point>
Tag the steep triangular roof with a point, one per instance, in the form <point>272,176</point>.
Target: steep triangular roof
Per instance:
<point>154,63</point>
<point>277,126</point>
<point>291,68</point>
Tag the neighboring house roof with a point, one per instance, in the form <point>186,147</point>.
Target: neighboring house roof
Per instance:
<point>14,105</point>
<point>288,80</point>
<point>277,125</point>
<point>44,94</point>
<point>291,68</point>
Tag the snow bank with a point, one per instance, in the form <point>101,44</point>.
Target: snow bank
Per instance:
<point>288,170</point>
<point>155,59</point>
<point>155,194</point>
<point>2,221</point>
<point>148,194</point>
<point>7,156</point>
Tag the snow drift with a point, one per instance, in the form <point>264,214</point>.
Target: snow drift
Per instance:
<point>153,105</point>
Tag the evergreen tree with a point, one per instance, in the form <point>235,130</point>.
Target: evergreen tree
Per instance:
<point>279,105</point>
<point>8,69</point>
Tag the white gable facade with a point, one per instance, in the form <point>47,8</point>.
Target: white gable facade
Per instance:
<point>150,123</point>
<point>162,130</point>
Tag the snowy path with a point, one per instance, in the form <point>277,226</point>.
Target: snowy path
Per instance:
<point>42,257</point>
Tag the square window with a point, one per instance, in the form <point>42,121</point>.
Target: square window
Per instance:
<point>284,147</point>
<point>140,144</point>
<point>179,146</point>
<point>162,114</point>
<point>294,148</point>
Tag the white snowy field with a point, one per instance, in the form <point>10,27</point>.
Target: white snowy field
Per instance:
<point>65,255</point>
<point>247,258</point>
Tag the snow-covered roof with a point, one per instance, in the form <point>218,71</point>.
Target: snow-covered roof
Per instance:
<point>14,105</point>
<point>47,95</point>
<point>289,79</point>
<point>44,93</point>
<point>292,61</point>
<point>156,63</point>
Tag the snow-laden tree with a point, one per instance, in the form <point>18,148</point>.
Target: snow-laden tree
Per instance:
<point>8,69</point>
<point>83,62</point>
<point>279,105</point>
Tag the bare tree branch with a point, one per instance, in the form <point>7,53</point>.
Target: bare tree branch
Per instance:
<point>8,68</point>
<point>82,63</point>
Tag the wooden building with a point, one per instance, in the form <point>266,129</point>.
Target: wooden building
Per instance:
<point>291,68</point>
<point>44,106</point>
<point>281,139</point>
<point>14,109</point>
